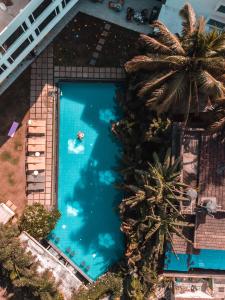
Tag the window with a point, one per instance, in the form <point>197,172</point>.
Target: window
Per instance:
<point>39,10</point>
<point>65,2</point>
<point>14,36</point>
<point>221,9</point>
<point>215,23</point>
<point>221,289</point>
<point>47,21</point>
<point>20,49</point>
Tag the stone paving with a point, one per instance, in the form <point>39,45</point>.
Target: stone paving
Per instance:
<point>41,102</point>
<point>44,78</point>
<point>100,44</point>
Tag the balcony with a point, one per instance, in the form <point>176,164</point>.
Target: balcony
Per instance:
<point>25,31</point>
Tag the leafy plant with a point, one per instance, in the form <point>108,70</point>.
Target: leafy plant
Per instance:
<point>37,221</point>
<point>185,71</point>
<point>20,269</point>
<point>109,284</point>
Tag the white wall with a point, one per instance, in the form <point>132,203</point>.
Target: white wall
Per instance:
<point>169,14</point>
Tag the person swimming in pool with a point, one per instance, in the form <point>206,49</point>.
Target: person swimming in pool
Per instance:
<point>80,135</point>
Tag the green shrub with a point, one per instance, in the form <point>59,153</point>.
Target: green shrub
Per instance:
<point>109,284</point>
<point>39,222</point>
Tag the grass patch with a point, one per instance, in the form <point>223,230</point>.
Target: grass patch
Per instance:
<point>10,178</point>
<point>17,145</point>
<point>14,161</point>
<point>6,156</point>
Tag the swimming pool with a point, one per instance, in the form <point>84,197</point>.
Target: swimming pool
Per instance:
<point>207,259</point>
<point>89,227</point>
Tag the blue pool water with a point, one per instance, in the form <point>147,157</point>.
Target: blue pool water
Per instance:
<point>205,259</point>
<point>87,199</point>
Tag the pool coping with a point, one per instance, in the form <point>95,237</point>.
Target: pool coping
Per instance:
<point>70,75</point>
<point>76,74</point>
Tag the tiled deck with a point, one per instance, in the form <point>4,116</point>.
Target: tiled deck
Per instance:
<point>42,108</point>
<point>44,78</point>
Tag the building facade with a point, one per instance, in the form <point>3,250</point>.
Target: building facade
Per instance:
<point>212,10</point>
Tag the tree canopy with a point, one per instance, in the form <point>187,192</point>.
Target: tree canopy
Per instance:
<point>187,70</point>
<point>37,221</point>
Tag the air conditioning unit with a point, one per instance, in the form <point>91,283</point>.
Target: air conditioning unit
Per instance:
<point>210,204</point>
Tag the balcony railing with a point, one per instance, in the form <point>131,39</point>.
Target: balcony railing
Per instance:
<point>32,24</point>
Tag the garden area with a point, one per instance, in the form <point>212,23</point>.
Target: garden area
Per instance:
<point>14,106</point>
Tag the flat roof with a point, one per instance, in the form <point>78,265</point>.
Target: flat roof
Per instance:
<point>102,11</point>
<point>169,13</point>
<point>5,213</point>
<point>68,282</point>
<point>6,16</point>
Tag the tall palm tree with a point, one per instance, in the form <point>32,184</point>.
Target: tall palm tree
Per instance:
<point>185,70</point>
<point>159,184</point>
<point>217,124</point>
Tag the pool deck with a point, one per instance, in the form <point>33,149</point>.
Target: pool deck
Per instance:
<point>43,100</point>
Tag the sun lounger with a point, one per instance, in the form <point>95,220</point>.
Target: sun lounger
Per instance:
<point>35,159</point>
<point>13,128</point>
<point>33,167</point>
<point>34,187</point>
<point>36,141</point>
<point>35,123</point>
<point>37,130</point>
<point>36,148</point>
<point>38,178</point>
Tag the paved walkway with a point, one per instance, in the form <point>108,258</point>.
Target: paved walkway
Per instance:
<point>43,100</point>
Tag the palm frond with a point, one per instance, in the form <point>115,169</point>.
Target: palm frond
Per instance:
<point>214,65</point>
<point>168,38</point>
<point>189,19</point>
<point>154,46</point>
<point>154,83</point>
<point>217,126</point>
<point>209,85</point>
<point>165,96</point>
<point>143,62</point>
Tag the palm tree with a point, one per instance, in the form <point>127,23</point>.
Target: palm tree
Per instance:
<point>159,184</point>
<point>185,70</point>
<point>164,225</point>
<point>217,124</point>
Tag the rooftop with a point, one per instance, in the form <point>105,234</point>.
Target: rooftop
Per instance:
<point>203,158</point>
<point>10,11</point>
<point>210,231</point>
<point>102,11</point>
<point>170,11</point>
<point>48,262</point>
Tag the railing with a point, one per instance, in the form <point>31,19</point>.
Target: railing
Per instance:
<point>19,39</point>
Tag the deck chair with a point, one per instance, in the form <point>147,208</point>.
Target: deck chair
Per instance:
<point>39,130</point>
<point>35,187</point>
<point>38,178</point>
<point>36,148</point>
<point>35,159</point>
<point>38,166</point>
<point>36,141</point>
<point>35,123</point>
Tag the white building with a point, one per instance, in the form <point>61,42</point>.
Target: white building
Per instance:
<point>23,26</point>
<point>212,10</point>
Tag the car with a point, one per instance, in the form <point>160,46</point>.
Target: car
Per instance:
<point>154,14</point>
